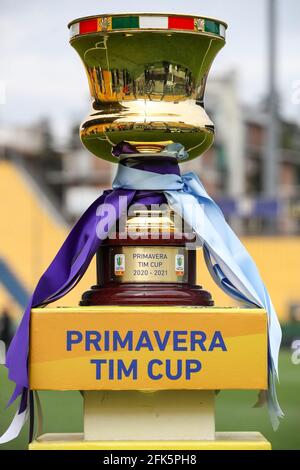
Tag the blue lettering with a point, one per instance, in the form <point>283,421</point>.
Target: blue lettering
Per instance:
<point>162,344</point>
<point>192,366</point>
<point>177,340</point>
<point>106,340</point>
<point>92,337</point>
<point>151,364</point>
<point>217,342</point>
<point>98,363</point>
<point>123,343</point>
<point>199,338</point>
<point>144,342</point>
<point>111,369</point>
<point>73,337</point>
<point>132,369</point>
<point>168,370</point>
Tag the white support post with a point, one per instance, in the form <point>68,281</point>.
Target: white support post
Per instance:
<point>137,415</point>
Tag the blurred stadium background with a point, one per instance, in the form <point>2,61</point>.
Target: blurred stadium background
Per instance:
<point>47,179</point>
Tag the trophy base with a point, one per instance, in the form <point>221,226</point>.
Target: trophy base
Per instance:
<point>147,294</point>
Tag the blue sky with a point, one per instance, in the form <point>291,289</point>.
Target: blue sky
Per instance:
<point>44,77</point>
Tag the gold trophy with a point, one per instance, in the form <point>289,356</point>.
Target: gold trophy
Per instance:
<point>142,328</point>
<point>147,75</point>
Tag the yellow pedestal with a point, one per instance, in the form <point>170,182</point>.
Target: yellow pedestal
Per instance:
<point>178,354</point>
<point>227,345</point>
<point>223,441</point>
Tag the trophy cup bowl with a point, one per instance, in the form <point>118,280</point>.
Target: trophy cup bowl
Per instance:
<point>147,75</point>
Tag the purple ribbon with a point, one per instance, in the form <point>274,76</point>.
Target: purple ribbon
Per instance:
<point>72,261</point>
<point>65,271</point>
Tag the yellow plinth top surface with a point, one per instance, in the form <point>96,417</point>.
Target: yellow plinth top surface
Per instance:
<point>148,348</point>
<point>223,441</point>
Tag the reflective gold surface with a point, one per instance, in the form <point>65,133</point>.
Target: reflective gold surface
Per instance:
<point>147,87</point>
<point>152,222</point>
<point>151,263</point>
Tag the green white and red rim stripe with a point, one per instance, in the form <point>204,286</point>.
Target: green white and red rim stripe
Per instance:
<point>147,22</point>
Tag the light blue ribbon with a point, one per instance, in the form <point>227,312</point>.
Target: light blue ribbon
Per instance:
<point>228,262</point>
